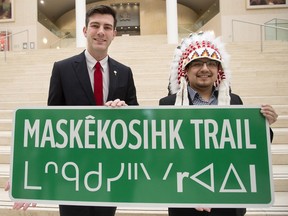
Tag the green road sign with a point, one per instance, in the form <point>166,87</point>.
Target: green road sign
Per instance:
<point>160,156</point>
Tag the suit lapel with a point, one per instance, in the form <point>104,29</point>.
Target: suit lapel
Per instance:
<point>80,67</point>
<point>113,79</point>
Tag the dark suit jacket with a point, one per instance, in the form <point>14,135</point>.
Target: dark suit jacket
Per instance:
<point>235,100</point>
<point>70,84</point>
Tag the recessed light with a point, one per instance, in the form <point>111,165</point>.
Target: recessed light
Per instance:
<point>45,40</point>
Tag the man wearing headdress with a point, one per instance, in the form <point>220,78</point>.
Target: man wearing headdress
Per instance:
<point>200,76</point>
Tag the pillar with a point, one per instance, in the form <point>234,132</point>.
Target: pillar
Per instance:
<point>172,21</point>
<point>80,13</point>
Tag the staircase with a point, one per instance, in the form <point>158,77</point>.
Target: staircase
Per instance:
<point>259,78</point>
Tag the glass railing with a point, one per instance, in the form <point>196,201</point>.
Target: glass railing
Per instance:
<point>66,36</point>
<point>272,33</point>
<point>7,39</point>
<point>63,42</point>
<point>48,24</point>
<point>212,11</point>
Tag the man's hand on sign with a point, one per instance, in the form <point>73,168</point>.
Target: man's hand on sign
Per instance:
<point>19,205</point>
<point>269,113</point>
<point>203,209</point>
<point>115,103</point>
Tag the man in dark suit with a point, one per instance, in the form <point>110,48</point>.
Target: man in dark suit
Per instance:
<point>72,82</point>
<point>200,76</point>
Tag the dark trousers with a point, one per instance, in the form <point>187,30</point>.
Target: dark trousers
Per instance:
<point>66,210</point>
<point>214,212</point>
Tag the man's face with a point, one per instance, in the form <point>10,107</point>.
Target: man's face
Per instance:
<point>99,33</point>
<point>202,73</point>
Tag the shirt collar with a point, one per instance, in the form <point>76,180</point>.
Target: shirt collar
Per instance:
<point>91,62</point>
<point>193,93</point>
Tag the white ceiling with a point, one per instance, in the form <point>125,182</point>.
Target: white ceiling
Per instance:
<point>53,9</point>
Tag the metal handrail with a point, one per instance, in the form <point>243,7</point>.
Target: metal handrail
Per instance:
<point>10,35</point>
<point>257,24</point>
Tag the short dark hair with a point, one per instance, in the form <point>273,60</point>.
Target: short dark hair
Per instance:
<point>101,9</point>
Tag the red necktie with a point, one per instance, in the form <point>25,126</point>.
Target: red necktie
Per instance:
<point>98,85</point>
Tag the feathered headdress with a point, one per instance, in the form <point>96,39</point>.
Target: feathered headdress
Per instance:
<point>196,46</point>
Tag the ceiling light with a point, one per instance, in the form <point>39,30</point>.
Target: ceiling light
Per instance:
<point>42,1</point>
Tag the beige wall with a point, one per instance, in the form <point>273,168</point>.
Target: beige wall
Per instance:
<point>236,10</point>
<point>67,22</point>
<point>152,16</point>
<point>44,33</point>
<point>25,27</point>
<point>186,18</point>
<point>213,25</point>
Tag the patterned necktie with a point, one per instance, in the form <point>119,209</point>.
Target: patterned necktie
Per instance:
<point>98,85</point>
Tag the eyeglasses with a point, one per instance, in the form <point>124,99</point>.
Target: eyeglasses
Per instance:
<point>197,64</point>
